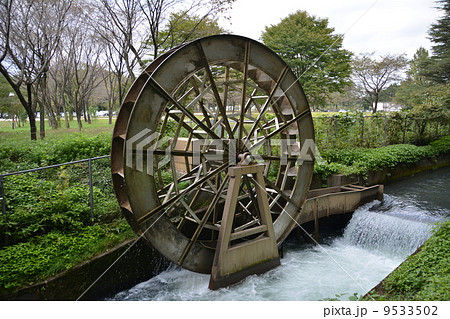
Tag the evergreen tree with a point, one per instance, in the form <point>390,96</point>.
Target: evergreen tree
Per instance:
<point>313,52</point>
<point>437,68</point>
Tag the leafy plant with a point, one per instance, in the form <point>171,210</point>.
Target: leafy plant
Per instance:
<point>360,160</point>
<point>45,256</point>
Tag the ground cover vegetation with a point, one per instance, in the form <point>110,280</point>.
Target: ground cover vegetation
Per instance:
<point>49,228</point>
<point>360,160</point>
<point>84,65</point>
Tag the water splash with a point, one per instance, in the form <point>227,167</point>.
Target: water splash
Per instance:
<point>391,227</point>
<point>375,242</point>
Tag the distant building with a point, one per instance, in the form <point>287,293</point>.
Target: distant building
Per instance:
<point>388,107</point>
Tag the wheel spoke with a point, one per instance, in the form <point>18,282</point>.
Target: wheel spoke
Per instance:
<point>205,218</point>
<point>280,129</point>
<point>183,109</point>
<point>252,195</point>
<point>244,88</point>
<point>220,106</point>
<point>268,101</point>
<point>280,192</point>
<point>174,199</point>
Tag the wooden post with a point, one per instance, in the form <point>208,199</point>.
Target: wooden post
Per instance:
<point>235,261</point>
<point>316,221</point>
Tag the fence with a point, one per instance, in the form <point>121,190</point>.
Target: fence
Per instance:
<point>3,197</point>
<point>355,130</point>
<point>340,131</point>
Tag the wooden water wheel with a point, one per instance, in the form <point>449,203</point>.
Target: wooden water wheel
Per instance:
<point>198,110</point>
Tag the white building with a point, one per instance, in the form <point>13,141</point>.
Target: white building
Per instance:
<point>388,107</point>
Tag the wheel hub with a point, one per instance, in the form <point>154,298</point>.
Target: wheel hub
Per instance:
<point>221,88</point>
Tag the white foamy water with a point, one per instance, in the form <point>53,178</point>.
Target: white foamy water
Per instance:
<point>374,243</point>
<point>376,240</point>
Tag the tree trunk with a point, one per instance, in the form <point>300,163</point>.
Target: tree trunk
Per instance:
<point>110,111</point>
<point>27,105</point>
<point>32,119</point>
<point>88,116</point>
<point>12,117</point>
<point>66,118</point>
<point>54,119</point>
<point>41,121</point>
<point>84,112</point>
<point>31,116</point>
<point>80,124</point>
<point>375,104</point>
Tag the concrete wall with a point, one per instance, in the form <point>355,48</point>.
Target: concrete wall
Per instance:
<point>138,263</point>
<point>141,262</point>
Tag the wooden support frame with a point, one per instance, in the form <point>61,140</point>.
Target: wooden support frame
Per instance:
<point>234,262</point>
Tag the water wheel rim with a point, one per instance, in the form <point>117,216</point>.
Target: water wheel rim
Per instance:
<point>146,107</point>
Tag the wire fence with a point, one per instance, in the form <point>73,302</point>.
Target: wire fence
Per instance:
<point>355,130</point>
<point>25,200</point>
<point>90,183</point>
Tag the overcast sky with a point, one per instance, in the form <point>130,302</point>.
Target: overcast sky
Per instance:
<point>383,26</point>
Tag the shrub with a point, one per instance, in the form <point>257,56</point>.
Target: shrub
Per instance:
<point>44,256</point>
<point>360,160</point>
<point>31,154</point>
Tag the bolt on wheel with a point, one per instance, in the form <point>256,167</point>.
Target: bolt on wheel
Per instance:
<point>194,112</point>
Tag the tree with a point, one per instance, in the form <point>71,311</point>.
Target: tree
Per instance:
<point>425,99</point>
<point>83,55</point>
<point>120,24</point>
<point>437,68</point>
<point>157,14</point>
<point>135,31</point>
<point>134,27</point>
<point>415,72</point>
<point>32,37</point>
<point>183,28</point>
<point>374,75</point>
<point>5,100</point>
<point>5,27</point>
<point>314,53</point>
<point>414,90</point>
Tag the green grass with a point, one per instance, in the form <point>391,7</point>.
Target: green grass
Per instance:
<point>49,227</point>
<point>45,256</point>
<point>22,134</point>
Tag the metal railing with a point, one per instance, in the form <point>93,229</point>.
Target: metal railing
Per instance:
<point>91,192</point>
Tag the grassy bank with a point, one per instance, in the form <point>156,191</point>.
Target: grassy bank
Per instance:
<point>361,160</point>
<point>49,228</point>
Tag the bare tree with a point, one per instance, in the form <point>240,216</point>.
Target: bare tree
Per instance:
<point>5,27</point>
<point>119,66</point>
<point>83,54</point>
<point>374,75</point>
<point>120,23</point>
<point>33,34</point>
<point>114,80</point>
<point>131,30</point>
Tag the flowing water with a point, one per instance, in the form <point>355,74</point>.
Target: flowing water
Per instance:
<point>379,236</point>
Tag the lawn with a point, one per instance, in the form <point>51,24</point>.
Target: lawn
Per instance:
<point>21,134</point>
